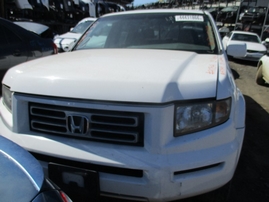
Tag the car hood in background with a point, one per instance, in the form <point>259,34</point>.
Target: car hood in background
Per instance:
<point>132,75</point>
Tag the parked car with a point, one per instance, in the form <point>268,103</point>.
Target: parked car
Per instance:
<point>255,48</point>
<point>65,41</point>
<point>262,75</point>
<point>22,177</point>
<point>254,15</point>
<point>18,45</point>
<point>215,10</point>
<point>227,14</point>
<point>42,30</point>
<point>145,98</point>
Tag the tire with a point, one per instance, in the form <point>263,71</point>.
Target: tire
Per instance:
<point>259,78</point>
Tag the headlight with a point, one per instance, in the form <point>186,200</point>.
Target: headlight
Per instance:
<point>7,96</point>
<point>199,116</point>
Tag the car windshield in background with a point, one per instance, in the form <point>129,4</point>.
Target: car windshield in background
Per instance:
<point>81,27</point>
<point>168,31</point>
<point>246,37</point>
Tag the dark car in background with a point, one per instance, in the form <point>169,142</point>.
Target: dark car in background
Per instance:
<point>227,15</point>
<point>254,15</point>
<point>19,45</point>
<point>214,11</point>
<point>22,177</point>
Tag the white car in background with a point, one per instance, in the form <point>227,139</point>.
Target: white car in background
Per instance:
<point>145,100</point>
<point>262,75</point>
<point>255,48</point>
<point>65,41</point>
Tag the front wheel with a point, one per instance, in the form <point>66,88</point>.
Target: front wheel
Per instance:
<point>259,77</point>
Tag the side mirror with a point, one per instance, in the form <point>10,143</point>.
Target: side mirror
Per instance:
<point>237,49</point>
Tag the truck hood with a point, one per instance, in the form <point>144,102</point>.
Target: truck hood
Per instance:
<point>150,76</point>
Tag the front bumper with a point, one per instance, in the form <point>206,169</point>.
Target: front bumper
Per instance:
<point>172,167</point>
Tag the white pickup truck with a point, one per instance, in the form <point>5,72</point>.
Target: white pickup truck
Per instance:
<point>144,107</point>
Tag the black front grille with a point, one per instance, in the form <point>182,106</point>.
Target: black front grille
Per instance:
<point>98,125</point>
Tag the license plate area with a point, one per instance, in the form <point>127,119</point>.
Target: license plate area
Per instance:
<point>78,184</point>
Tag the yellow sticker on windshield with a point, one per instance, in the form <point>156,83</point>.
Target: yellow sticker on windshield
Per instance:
<point>197,18</point>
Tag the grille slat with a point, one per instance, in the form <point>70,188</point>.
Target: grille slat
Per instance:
<point>98,125</point>
<point>44,112</point>
<point>43,128</point>
<point>47,123</point>
<point>114,134</point>
<point>114,120</point>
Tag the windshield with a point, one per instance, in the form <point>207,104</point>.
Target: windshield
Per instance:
<point>151,31</point>
<point>81,27</point>
<point>246,37</point>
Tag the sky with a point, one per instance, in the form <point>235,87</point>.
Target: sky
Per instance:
<point>140,2</point>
